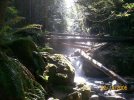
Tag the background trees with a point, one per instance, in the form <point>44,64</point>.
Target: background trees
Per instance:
<point>114,17</point>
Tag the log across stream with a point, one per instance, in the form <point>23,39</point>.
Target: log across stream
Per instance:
<point>84,38</point>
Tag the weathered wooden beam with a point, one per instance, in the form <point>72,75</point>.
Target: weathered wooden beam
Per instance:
<point>91,39</point>
<point>83,47</point>
<point>101,67</point>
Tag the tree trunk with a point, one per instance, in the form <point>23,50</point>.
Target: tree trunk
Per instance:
<point>3,5</point>
<point>82,38</point>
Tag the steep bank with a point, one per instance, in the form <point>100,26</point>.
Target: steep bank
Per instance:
<point>118,57</point>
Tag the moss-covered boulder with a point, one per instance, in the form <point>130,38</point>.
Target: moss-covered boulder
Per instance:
<point>17,82</point>
<point>10,84</point>
<point>27,53</point>
<point>59,70</point>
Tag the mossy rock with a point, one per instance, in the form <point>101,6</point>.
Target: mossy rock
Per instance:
<point>27,53</point>
<point>82,92</point>
<point>16,81</point>
<point>74,96</point>
<point>10,84</point>
<point>59,70</point>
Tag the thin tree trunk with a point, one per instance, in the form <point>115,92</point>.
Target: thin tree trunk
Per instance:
<point>3,6</point>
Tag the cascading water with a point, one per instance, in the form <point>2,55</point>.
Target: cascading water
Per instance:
<point>72,18</point>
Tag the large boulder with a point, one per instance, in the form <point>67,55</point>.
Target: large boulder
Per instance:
<point>10,84</point>
<point>17,82</point>
<point>27,53</point>
<point>90,70</point>
<point>59,70</point>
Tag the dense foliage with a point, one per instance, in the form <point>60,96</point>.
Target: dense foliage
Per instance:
<point>16,81</point>
<point>114,17</point>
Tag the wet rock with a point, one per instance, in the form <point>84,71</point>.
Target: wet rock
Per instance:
<point>86,92</point>
<point>82,92</point>
<point>51,98</point>
<point>102,97</point>
<point>113,98</point>
<point>74,96</point>
<point>59,70</point>
<point>90,70</point>
<point>94,97</point>
<point>62,91</point>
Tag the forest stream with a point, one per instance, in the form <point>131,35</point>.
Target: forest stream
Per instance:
<point>102,85</point>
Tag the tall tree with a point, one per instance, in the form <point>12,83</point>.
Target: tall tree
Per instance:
<point>3,5</point>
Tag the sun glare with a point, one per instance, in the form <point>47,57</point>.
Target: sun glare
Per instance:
<point>69,3</point>
<point>71,14</point>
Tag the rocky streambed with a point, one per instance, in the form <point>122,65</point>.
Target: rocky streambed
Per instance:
<point>28,74</point>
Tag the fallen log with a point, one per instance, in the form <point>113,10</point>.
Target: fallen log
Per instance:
<point>83,35</point>
<point>101,67</point>
<point>91,39</point>
<point>83,47</point>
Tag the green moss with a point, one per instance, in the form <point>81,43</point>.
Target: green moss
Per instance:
<point>27,53</point>
<point>11,85</point>
<point>17,82</point>
<point>59,70</point>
